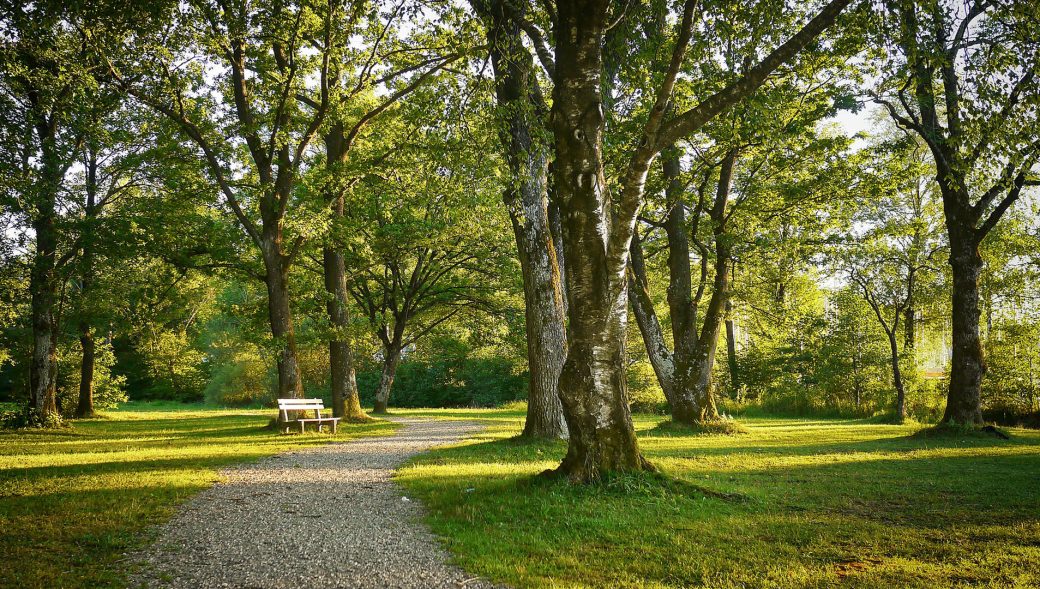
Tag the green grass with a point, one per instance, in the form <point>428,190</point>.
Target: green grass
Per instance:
<point>73,501</point>
<point>789,503</point>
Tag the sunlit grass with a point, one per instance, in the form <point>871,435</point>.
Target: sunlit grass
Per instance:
<point>73,501</point>
<point>790,503</point>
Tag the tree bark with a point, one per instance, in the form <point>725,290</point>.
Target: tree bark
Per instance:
<point>526,199</point>
<point>897,377</point>
<point>43,286</point>
<point>593,384</point>
<point>964,404</point>
<point>686,374</point>
<point>276,265</point>
<point>662,360</point>
<point>43,283</point>
<point>345,400</point>
<point>85,406</point>
<point>731,348</point>
<point>391,359</point>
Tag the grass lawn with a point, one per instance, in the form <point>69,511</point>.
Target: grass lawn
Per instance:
<point>790,503</point>
<point>73,501</point>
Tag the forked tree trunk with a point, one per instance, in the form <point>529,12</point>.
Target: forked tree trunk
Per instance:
<point>290,384</point>
<point>526,199</point>
<point>964,405</point>
<point>695,402</point>
<point>686,374</point>
<point>593,382</point>
<point>391,359</point>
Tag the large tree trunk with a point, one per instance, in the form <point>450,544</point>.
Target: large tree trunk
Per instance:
<point>964,405</point>
<point>391,359</point>
<point>85,406</point>
<point>43,286</point>
<point>526,199</point>
<point>345,400</point>
<point>290,384</point>
<point>593,382</point>
<point>695,401</point>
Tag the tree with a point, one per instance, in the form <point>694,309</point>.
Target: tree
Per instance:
<point>889,260</point>
<point>597,228</point>
<point>522,109</point>
<point>963,77</point>
<point>385,62</point>
<point>760,143</point>
<point>251,125</point>
<point>427,244</point>
<point>51,104</point>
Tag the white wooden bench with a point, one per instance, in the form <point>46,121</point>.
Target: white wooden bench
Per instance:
<point>303,406</point>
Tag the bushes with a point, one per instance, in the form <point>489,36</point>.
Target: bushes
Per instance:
<point>241,377</point>
<point>467,382</point>
<point>109,388</point>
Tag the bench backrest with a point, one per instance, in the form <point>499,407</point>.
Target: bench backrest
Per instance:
<point>287,405</point>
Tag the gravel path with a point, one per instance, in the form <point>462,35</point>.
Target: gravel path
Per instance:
<point>327,516</point>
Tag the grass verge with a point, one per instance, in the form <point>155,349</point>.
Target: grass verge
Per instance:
<point>789,503</point>
<point>74,500</point>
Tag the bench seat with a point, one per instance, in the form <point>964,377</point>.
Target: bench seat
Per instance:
<point>304,405</point>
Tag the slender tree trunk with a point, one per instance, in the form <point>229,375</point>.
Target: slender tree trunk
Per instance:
<point>526,199</point>
<point>546,340</point>
<point>85,407</point>
<point>391,359</point>
<point>662,360</point>
<point>593,384</point>
<point>897,377</point>
<point>910,330</point>
<point>964,405</point>
<point>345,400</point>
<point>290,384</point>
<point>731,348</point>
